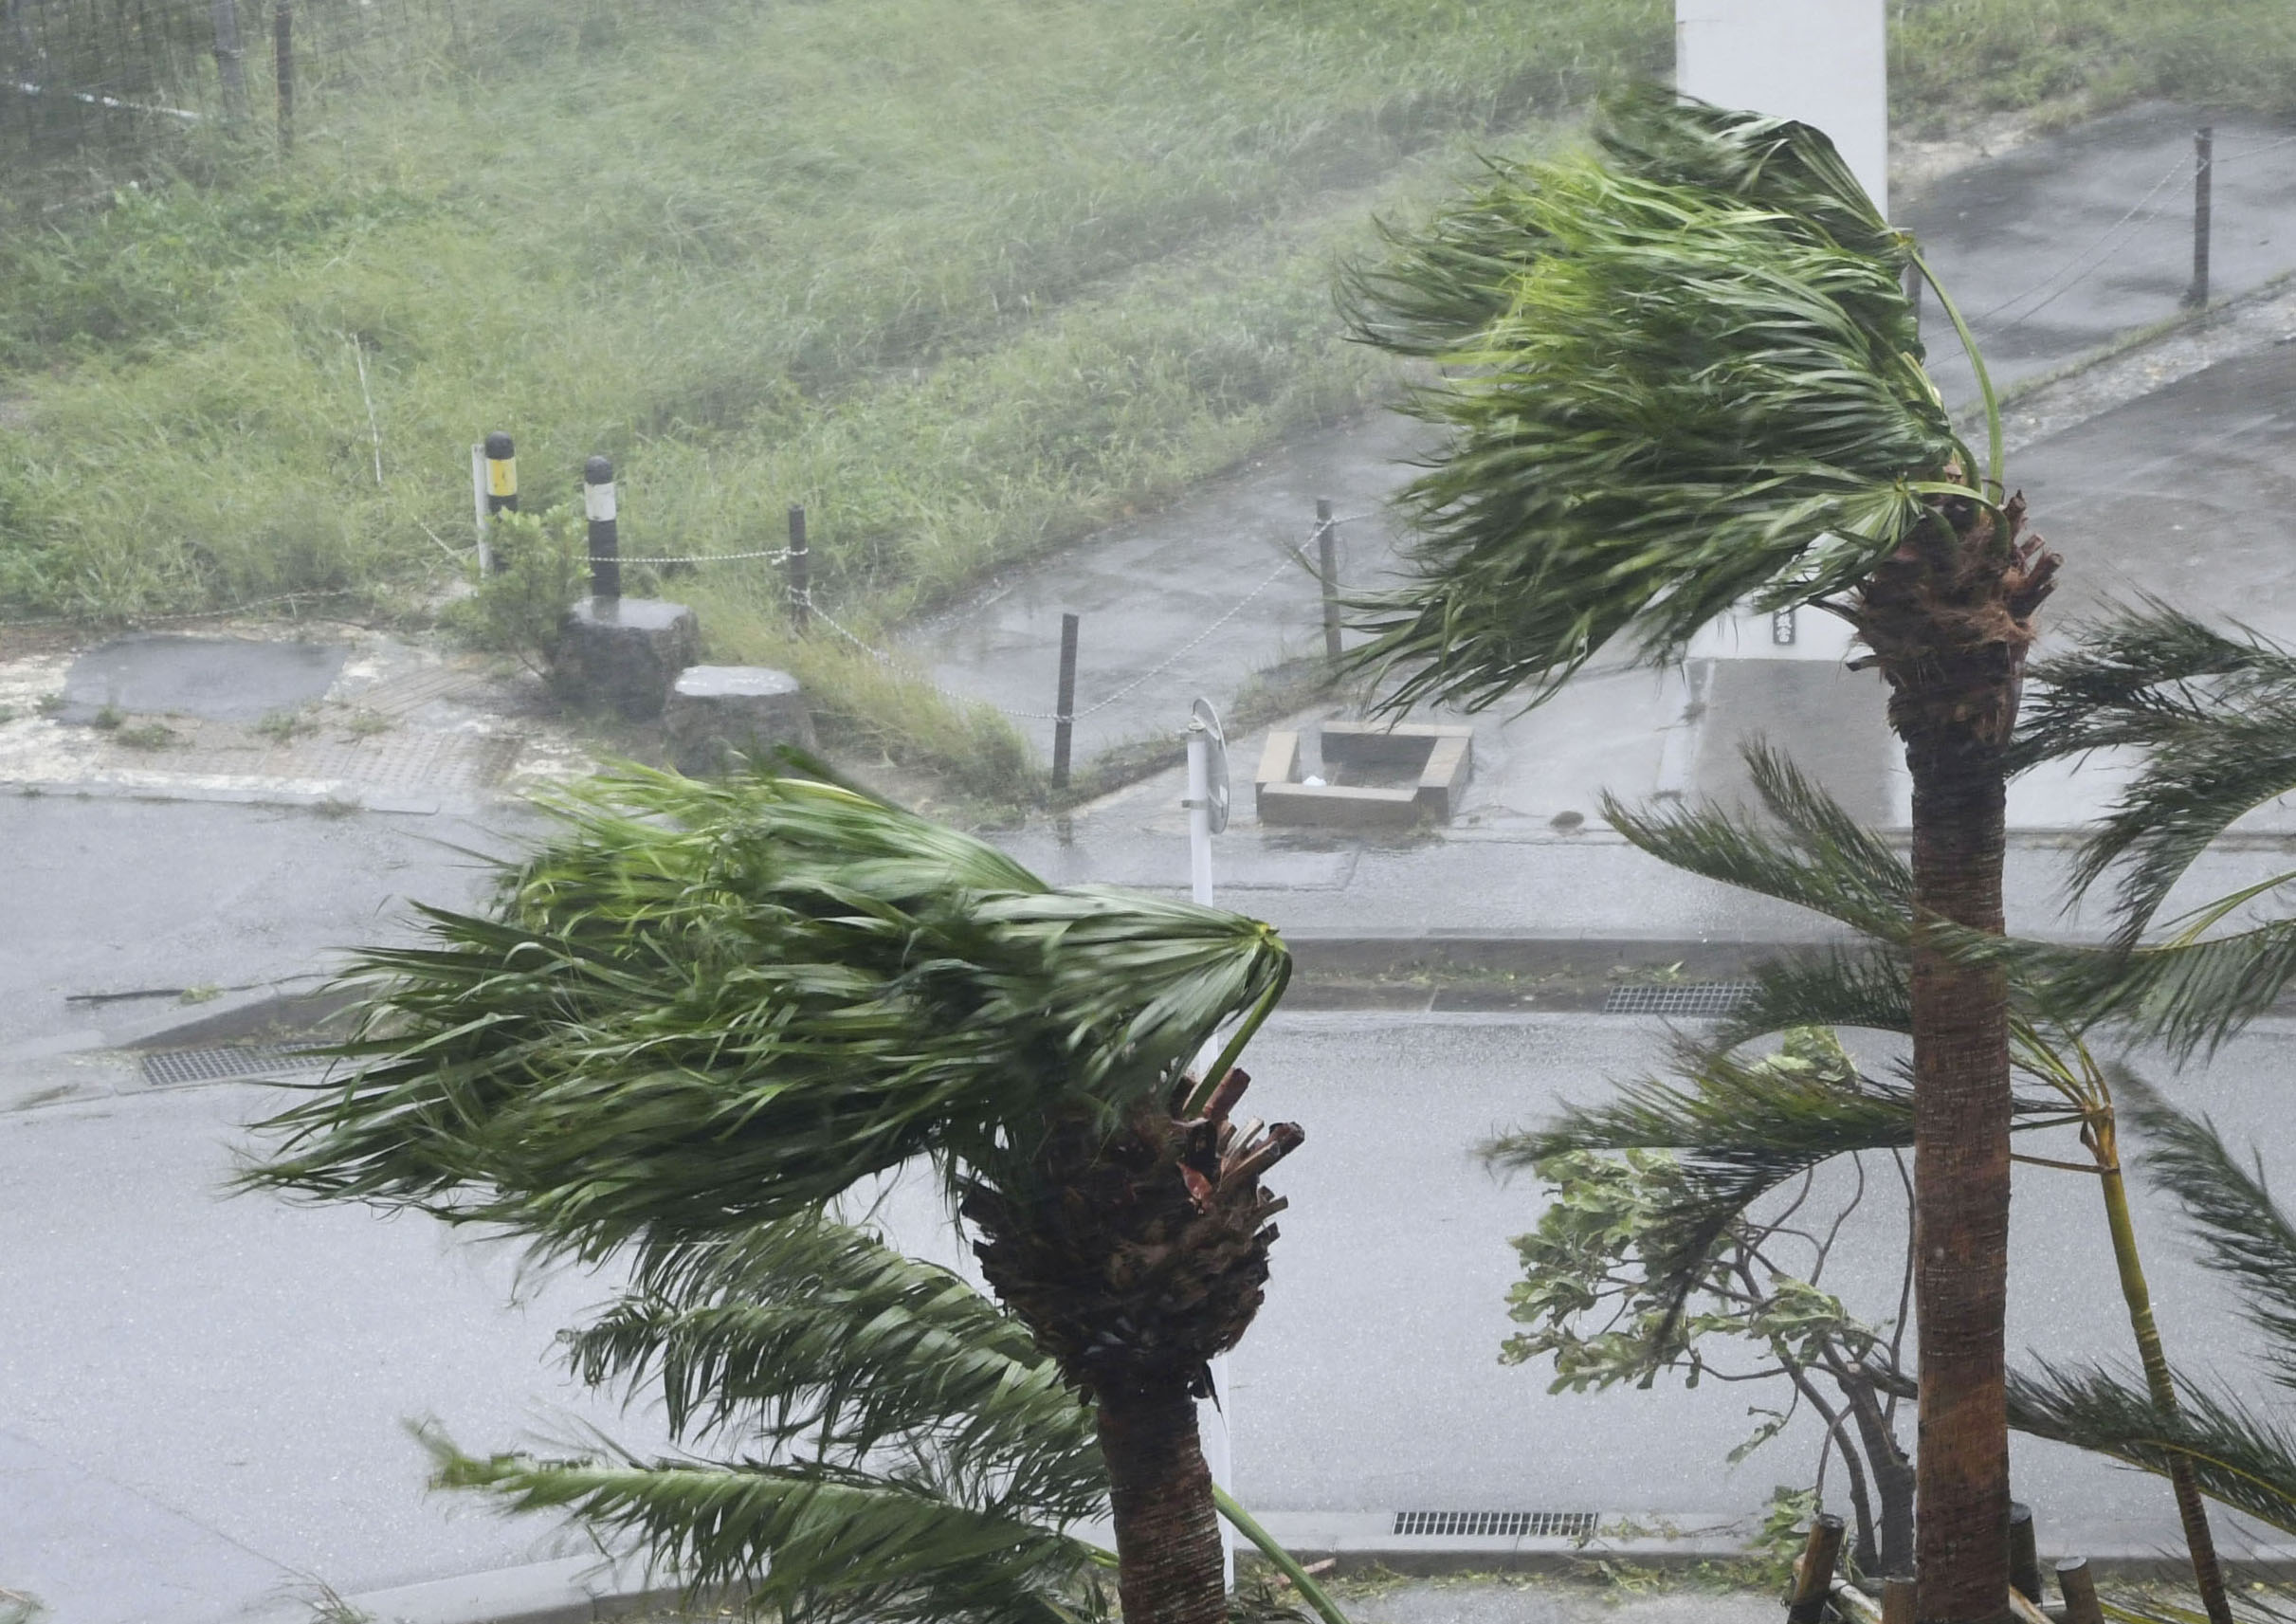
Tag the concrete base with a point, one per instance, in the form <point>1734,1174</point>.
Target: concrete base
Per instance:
<point>624,653</point>
<point>718,713</point>
<point>1443,756</point>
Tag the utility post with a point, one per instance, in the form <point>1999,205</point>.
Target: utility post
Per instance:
<point>2204,168</point>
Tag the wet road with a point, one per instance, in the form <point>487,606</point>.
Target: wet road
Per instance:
<point>200,1398</point>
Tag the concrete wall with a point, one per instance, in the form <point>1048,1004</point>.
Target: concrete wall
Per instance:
<point>1823,61</point>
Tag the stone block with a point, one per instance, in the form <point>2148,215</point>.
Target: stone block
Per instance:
<point>624,654</point>
<point>1442,756</point>
<point>1335,806</point>
<point>718,712</point>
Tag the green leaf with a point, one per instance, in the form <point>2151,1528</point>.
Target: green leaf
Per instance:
<point>823,1545</point>
<point>1677,376</point>
<point>708,1006</point>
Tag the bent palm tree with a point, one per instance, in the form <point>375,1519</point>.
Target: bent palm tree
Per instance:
<point>1744,1131</point>
<point>1683,375</point>
<point>705,1009</point>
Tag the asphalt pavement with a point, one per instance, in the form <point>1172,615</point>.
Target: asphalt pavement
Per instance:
<point>206,1394</point>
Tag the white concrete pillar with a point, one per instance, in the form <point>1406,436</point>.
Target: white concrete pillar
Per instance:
<point>1823,61</point>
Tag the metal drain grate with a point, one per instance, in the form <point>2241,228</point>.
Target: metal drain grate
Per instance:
<point>238,1060</point>
<point>1708,1000</point>
<point>1503,1525</point>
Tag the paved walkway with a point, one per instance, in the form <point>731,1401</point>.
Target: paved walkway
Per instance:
<point>2053,250</point>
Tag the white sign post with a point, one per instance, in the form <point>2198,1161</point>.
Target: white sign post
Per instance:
<point>1822,62</point>
<point>1207,804</point>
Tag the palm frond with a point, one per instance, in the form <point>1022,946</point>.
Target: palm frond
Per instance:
<point>1813,853</point>
<point>2185,997</point>
<point>1449,279</point>
<point>816,1338</point>
<point>2239,1457</point>
<point>2230,1210</point>
<point>1865,986</point>
<point>1740,1128</point>
<point>1703,383</point>
<point>2215,716</point>
<point>707,1006</point>
<point>818,1545</point>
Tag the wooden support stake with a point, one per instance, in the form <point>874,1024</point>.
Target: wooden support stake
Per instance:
<point>1327,564</point>
<point>1896,1599</point>
<point>801,564</point>
<point>2204,166</point>
<point>1814,1574</point>
<point>282,61</point>
<point>2079,1588</point>
<point>1063,707</point>
<point>2024,1553</point>
<point>230,60</point>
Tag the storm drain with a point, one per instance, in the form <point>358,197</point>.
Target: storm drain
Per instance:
<point>1503,1524</point>
<point>237,1060</point>
<point>1707,1000</point>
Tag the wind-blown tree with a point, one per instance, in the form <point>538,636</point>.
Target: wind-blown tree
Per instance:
<point>1681,373</point>
<point>1608,1296</point>
<point>1742,1130</point>
<point>703,1011</point>
<point>2210,715</point>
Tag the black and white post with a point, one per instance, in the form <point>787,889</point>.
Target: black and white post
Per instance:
<point>800,561</point>
<point>494,488</point>
<point>1063,705</point>
<point>605,535</point>
<point>2204,168</point>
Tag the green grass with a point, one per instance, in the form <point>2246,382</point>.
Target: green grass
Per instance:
<point>1951,58</point>
<point>964,277</point>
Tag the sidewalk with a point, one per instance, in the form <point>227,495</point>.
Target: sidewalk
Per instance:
<point>2053,252</point>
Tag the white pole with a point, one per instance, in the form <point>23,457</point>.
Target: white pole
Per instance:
<point>1213,1420</point>
<point>478,497</point>
<point>1199,813</point>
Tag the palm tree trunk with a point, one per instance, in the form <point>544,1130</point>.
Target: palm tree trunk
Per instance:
<point>1961,1180</point>
<point>1167,1528</point>
<point>2208,1576</point>
<point>1949,617</point>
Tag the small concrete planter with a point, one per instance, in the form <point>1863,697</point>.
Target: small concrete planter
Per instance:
<point>720,712</point>
<point>1441,757</point>
<point>624,653</point>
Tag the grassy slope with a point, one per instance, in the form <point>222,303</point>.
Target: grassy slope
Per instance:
<point>966,277</point>
<point>1952,57</point>
<point>890,258</point>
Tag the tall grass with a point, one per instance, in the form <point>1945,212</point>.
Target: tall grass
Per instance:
<point>1949,57</point>
<point>961,275</point>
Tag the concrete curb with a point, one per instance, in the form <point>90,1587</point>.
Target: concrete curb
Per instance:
<point>581,1590</point>
<point>348,799</point>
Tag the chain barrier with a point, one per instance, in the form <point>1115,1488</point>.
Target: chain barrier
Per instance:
<point>2093,257</point>
<point>779,558</point>
<point>1292,558</point>
<point>2183,166</point>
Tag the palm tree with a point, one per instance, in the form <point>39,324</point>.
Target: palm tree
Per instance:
<point>1745,1129</point>
<point>1679,374</point>
<point>704,1010</point>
